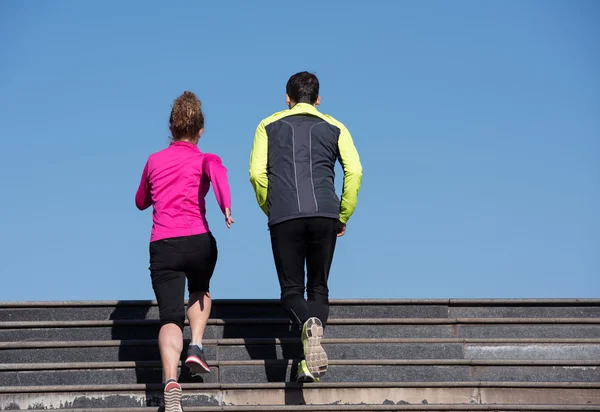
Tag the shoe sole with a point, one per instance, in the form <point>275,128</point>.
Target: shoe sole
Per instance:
<point>196,365</point>
<point>305,379</point>
<point>173,400</point>
<point>316,358</point>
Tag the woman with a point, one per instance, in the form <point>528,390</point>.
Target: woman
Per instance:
<point>175,181</point>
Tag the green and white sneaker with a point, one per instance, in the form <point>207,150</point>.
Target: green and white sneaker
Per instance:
<point>304,374</point>
<point>314,354</point>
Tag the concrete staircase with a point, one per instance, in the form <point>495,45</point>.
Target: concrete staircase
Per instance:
<point>385,355</point>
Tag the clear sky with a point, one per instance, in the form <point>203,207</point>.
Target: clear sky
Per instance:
<point>478,125</point>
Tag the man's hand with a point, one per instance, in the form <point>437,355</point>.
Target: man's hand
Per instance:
<point>228,218</point>
<point>341,229</point>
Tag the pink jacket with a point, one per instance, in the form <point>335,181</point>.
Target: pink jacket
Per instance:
<point>175,181</point>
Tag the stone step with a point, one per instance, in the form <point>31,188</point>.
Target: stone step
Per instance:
<point>203,395</point>
<point>337,328</point>
<point>240,349</point>
<point>260,371</point>
<point>370,308</point>
<point>442,354</point>
<point>220,309</point>
<point>360,407</point>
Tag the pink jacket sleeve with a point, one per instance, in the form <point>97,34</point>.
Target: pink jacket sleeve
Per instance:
<point>217,174</point>
<point>143,198</point>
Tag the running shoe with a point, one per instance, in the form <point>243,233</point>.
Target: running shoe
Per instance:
<point>304,374</point>
<point>314,354</point>
<point>173,396</point>
<point>196,361</point>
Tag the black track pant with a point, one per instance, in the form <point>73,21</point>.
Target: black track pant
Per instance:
<point>297,242</point>
<point>174,259</point>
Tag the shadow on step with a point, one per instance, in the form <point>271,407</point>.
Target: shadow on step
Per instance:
<point>128,352</point>
<point>275,346</point>
<point>143,352</point>
<point>294,394</point>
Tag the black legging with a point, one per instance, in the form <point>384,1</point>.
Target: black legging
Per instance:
<point>174,259</point>
<point>296,242</point>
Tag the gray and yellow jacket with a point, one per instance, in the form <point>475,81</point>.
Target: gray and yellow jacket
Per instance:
<point>292,166</point>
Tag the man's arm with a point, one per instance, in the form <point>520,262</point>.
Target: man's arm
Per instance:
<point>258,166</point>
<point>352,174</point>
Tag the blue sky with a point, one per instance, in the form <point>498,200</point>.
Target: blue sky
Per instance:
<point>477,123</point>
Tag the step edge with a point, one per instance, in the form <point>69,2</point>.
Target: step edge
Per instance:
<point>365,407</point>
<point>5,367</point>
<point>277,341</point>
<point>334,302</point>
<point>309,386</point>
<point>284,321</point>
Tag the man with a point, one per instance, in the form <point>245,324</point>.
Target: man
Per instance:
<point>292,171</point>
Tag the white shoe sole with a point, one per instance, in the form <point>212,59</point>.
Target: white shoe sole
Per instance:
<point>173,400</point>
<point>196,365</point>
<point>316,358</point>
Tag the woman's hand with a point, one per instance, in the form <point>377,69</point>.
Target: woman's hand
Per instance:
<point>228,218</point>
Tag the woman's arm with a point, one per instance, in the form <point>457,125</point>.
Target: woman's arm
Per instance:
<point>218,177</point>
<point>143,198</point>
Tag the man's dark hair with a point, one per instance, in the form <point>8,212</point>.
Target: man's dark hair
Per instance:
<point>303,87</point>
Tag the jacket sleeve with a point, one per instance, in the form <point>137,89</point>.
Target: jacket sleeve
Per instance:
<point>258,167</point>
<point>352,174</point>
<point>217,174</point>
<point>143,198</point>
